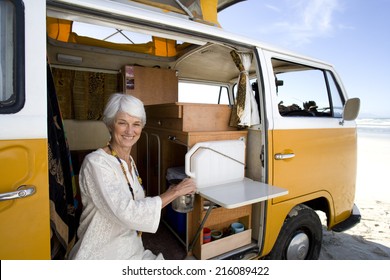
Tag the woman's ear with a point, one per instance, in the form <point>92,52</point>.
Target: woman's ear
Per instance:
<point>109,127</point>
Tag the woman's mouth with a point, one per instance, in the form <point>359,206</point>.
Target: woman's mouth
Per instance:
<point>128,137</point>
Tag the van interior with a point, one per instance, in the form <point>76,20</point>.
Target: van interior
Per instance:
<point>188,86</point>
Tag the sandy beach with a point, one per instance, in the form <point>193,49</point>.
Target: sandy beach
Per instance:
<point>370,239</point>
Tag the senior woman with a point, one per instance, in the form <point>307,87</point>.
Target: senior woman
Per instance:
<point>115,209</point>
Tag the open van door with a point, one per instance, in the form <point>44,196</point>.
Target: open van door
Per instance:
<point>24,192</point>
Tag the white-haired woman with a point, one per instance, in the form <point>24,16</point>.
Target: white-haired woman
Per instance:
<point>115,209</point>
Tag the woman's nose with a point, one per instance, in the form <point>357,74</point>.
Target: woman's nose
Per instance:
<point>131,129</point>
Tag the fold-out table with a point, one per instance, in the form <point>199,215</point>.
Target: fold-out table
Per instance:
<point>236,194</point>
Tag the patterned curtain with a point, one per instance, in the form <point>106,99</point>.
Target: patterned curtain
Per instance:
<point>245,111</point>
<point>83,94</point>
<point>63,208</point>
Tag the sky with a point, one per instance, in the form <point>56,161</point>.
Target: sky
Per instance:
<point>352,35</point>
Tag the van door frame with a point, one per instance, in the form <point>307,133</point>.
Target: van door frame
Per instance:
<point>25,222</point>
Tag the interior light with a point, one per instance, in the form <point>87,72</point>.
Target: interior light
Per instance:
<point>65,58</point>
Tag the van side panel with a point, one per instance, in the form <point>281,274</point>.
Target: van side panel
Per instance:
<point>325,160</point>
<point>324,164</point>
<point>24,222</point>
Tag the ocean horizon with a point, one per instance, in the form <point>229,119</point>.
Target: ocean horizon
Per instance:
<point>374,126</point>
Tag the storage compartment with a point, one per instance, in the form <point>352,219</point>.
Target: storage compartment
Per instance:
<point>151,85</point>
<point>189,117</point>
<point>225,244</point>
<point>220,219</point>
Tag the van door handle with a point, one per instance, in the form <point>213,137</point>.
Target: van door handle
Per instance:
<point>284,156</point>
<point>22,192</point>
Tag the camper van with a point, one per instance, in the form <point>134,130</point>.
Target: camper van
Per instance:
<point>268,135</point>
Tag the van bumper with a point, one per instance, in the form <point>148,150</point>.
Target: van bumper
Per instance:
<point>350,222</point>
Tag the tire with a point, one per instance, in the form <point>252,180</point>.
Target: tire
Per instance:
<point>300,237</point>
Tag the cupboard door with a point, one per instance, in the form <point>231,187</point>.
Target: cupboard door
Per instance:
<point>142,159</point>
<point>154,165</point>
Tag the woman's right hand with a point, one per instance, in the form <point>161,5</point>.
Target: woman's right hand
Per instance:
<point>186,186</point>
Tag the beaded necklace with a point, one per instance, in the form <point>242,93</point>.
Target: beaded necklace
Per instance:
<point>115,154</point>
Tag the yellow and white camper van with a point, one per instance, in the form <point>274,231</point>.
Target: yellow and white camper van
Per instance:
<point>268,134</point>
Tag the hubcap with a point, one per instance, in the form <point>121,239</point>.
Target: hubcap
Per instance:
<point>299,247</point>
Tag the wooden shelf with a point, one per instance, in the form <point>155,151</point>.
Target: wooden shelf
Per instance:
<point>220,219</point>
<point>226,244</point>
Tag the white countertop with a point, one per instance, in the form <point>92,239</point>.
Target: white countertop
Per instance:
<point>240,193</point>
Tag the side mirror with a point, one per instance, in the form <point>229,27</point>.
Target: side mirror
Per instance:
<point>351,110</point>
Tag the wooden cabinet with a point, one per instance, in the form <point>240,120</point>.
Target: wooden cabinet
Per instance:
<point>151,85</point>
<point>189,117</point>
<point>171,130</point>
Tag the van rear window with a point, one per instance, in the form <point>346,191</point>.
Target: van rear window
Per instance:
<point>11,56</point>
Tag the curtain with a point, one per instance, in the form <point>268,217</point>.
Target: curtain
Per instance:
<point>63,207</point>
<point>83,94</point>
<point>245,111</point>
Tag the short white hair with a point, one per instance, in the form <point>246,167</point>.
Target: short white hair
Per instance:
<point>120,102</point>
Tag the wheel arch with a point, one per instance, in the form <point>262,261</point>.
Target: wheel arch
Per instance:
<point>277,213</point>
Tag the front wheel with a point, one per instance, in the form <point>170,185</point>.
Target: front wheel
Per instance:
<point>300,237</point>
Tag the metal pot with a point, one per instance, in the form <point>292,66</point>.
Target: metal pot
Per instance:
<point>184,203</point>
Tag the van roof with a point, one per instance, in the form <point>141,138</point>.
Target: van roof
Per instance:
<point>176,26</point>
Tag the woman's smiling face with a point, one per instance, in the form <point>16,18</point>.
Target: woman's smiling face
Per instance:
<point>126,130</point>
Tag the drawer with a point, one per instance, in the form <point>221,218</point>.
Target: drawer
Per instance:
<point>189,117</point>
<point>226,244</point>
<point>164,111</point>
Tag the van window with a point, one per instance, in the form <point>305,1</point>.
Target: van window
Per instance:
<point>11,56</point>
<point>203,93</point>
<point>305,91</point>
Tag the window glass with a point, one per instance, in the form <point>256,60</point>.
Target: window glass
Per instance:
<point>301,90</point>
<point>203,93</point>
<point>109,34</point>
<point>11,56</point>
